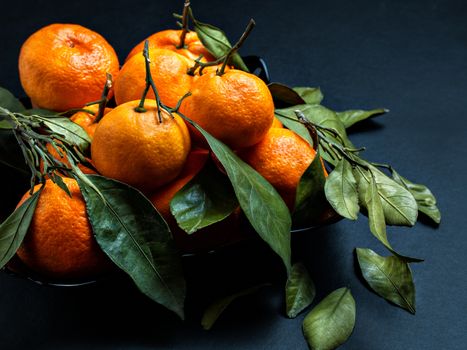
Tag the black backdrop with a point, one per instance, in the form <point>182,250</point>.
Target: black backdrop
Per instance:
<point>408,56</point>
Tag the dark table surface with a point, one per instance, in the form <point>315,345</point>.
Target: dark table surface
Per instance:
<point>408,56</point>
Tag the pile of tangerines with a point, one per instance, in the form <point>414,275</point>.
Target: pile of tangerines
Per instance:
<point>64,67</point>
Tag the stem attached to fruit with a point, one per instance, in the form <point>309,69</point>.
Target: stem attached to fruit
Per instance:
<point>185,29</point>
<point>149,84</point>
<point>237,46</point>
<point>202,65</point>
<point>102,101</point>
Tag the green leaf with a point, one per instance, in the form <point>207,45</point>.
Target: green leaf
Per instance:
<point>354,116</point>
<point>69,130</point>
<point>214,310</point>
<point>215,40</point>
<point>311,95</point>
<point>299,290</point>
<point>310,199</point>
<point>14,228</point>
<point>285,95</point>
<point>331,322</point>
<point>5,124</point>
<point>390,277</point>
<point>341,190</point>
<point>399,205</point>
<point>136,238</point>
<point>426,201</point>
<point>10,102</point>
<point>262,205</point>
<point>205,200</point>
<point>375,213</point>
<point>376,216</point>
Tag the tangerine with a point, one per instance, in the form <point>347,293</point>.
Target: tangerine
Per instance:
<point>281,158</point>
<point>60,242</point>
<point>64,66</point>
<point>235,107</point>
<point>168,70</point>
<point>137,148</point>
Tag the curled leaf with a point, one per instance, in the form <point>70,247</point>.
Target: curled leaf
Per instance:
<point>205,200</point>
<point>14,228</point>
<point>426,201</point>
<point>299,290</point>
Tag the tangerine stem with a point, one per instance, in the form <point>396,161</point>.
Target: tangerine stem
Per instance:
<point>234,49</point>
<point>149,84</point>
<point>185,29</point>
<point>103,101</point>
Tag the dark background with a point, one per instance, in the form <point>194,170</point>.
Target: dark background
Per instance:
<point>408,56</point>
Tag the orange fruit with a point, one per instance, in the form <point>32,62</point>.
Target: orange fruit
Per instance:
<point>208,238</point>
<point>161,198</point>
<point>168,70</point>
<point>64,66</point>
<point>281,158</point>
<point>87,120</point>
<point>60,242</point>
<point>138,149</point>
<point>235,107</point>
<point>170,39</point>
<point>276,123</point>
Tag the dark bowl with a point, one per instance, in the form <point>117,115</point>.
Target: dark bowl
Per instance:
<point>247,238</point>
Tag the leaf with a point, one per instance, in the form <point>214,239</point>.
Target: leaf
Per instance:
<point>262,205</point>
<point>69,130</point>
<point>390,277</point>
<point>353,116</point>
<point>205,200</point>
<point>215,40</point>
<point>299,290</point>
<point>376,217</point>
<point>285,95</point>
<point>426,201</point>
<point>341,190</point>
<point>310,198</point>
<point>375,213</point>
<point>331,322</point>
<point>214,310</point>
<point>399,205</point>
<point>136,238</point>
<point>9,101</point>
<point>4,124</point>
<point>14,228</point>
<point>310,95</point>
